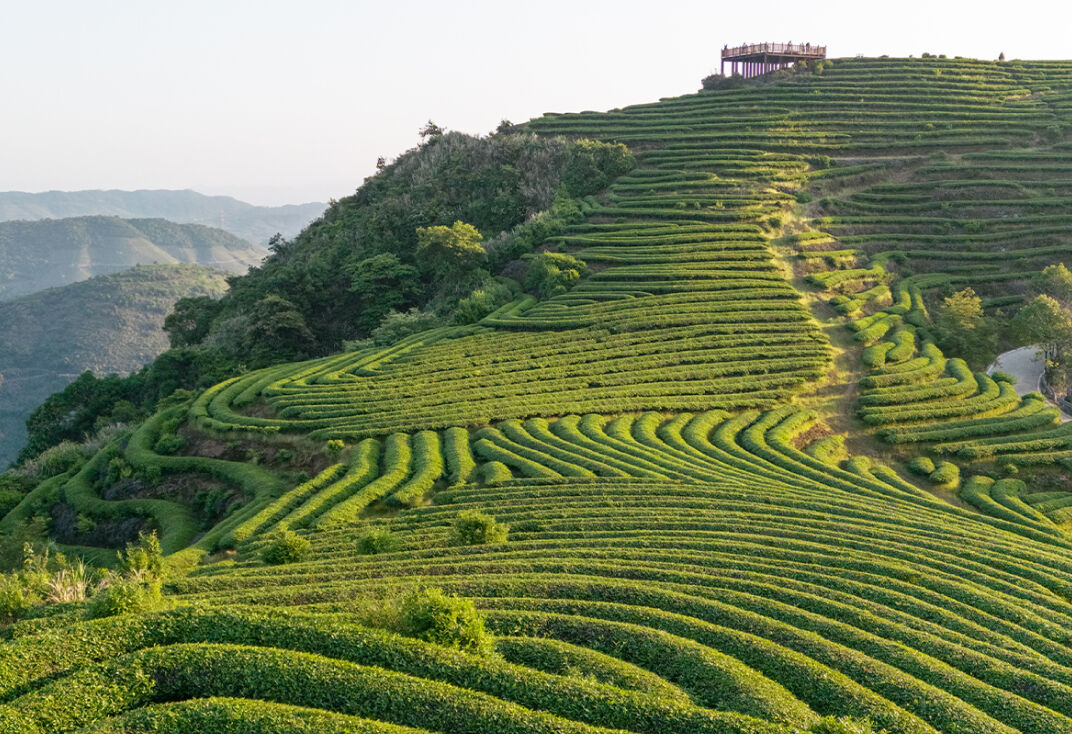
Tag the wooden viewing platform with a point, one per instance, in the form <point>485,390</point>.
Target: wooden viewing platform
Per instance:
<point>759,58</point>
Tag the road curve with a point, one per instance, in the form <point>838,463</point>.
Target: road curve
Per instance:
<point>1026,364</point>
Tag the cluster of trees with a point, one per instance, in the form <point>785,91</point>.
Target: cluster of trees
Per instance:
<point>965,331</point>
<point>426,240</point>
<point>1044,319</point>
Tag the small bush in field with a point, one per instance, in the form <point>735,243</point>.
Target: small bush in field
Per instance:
<point>476,528</point>
<point>433,616</point>
<point>126,597</point>
<point>376,540</point>
<point>287,547</point>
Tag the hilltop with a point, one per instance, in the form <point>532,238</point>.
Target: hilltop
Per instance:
<point>106,324</point>
<point>55,252</point>
<point>256,224</point>
<point>676,426</point>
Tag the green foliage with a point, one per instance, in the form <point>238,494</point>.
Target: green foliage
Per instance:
<point>719,82</point>
<point>946,475</point>
<point>471,527</point>
<point>434,616</point>
<point>384,284</point>
<point>450,252</point>
<point>551,273</point>
<point>963,330</point>
<point>126,597</point>
<point>142,559</point>
<point>169,443</point>
<point>276,330</point>
<point>1056,282</point>
<point>491,295</point>
<point>286,547</point>
<point>190,319</point>
<point>593,164</point>
<point>1044,321</point>
<point>922,465</point>
<point>377,540</point>
<point>530,234</point>
<point>15,598</point>
<point>397,326</point>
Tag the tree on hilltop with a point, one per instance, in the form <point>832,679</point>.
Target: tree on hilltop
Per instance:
<point>450,251</point>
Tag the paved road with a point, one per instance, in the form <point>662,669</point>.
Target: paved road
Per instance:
<point>1026,365</point>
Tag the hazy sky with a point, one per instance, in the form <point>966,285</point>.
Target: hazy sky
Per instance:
<point>282,102</point>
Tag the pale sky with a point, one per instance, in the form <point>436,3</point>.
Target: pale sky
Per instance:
<point>282,102</point>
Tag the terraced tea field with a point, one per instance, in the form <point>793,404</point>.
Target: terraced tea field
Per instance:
<point>695,542</point>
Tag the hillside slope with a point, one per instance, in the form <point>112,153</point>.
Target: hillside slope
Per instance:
<point>252,223</point>
<point>107,324</point>
<point>674,496</point>
<point>50,253</point>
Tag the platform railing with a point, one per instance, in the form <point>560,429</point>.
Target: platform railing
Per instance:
<point>794,49</point>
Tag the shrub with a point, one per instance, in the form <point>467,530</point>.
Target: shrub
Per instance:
<point>554,272</point>
<point>169,443</point>
<point>126,597</point>
<point>433,616</point>
<point>922,465</point>
<point>487,298</point>
<point>397,326</point>
<point>593,164</point>
<point>476,528</point>
<point>286,547</point>
<point>143,559</point>
<point>15,599</point>
<point>718,81</point>
<point>1003,377</point>
<point>946,474</point>
<point>376,540</point>
<point>335,446</point>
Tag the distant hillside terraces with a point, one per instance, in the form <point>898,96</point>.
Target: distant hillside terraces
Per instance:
<point>50,253</point>
<point>254,223</point>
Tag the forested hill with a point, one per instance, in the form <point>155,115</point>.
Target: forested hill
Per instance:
<point>107,324</point>
<point>54,252</point>
<point>257,224</point>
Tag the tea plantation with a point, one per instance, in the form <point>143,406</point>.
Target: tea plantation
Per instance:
<point>730,479</point>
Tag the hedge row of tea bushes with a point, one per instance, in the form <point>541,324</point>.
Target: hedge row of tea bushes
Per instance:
<point>662,537</point>
<point>704,571</point>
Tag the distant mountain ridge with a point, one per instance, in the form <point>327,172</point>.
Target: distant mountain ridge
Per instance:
<point>107,324</point>
<point>35,255</point>
<point>248,221</point>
